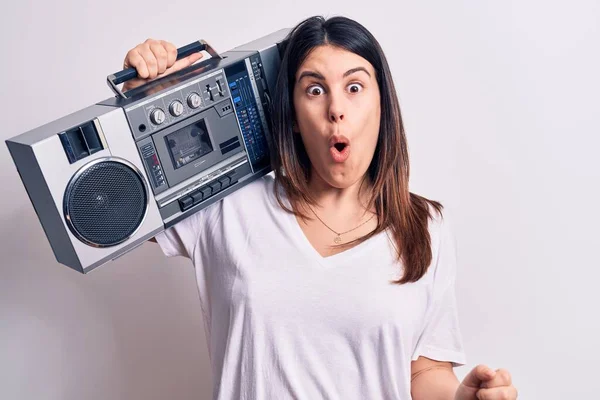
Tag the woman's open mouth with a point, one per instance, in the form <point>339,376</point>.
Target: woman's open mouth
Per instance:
<point>339,148</point>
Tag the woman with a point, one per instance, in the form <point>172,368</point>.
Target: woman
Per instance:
<point>328,279</point>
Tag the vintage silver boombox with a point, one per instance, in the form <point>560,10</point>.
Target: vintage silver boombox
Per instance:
<point>106,178</point>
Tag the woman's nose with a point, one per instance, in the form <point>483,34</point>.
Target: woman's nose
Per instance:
<point>336,109</point>
<point>335,116</point>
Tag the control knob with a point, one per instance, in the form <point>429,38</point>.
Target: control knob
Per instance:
<point>176,108</point>
<point>194,100</point>
<point>157,116</point>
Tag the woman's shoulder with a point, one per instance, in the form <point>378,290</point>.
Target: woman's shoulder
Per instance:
<point>258,188</point>
<point>253,197</point>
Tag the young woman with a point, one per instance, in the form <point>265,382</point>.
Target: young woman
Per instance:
<point>327,279</point>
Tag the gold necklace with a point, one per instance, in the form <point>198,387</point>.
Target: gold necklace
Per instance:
<point>338,239</point>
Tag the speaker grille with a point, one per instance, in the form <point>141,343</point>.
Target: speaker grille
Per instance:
<point>105,203</point>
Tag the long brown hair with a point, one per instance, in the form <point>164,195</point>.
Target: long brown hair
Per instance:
<point>405,214</point>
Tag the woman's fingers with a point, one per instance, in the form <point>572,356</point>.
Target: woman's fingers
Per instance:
<point>171,52</point>
<point>134,59</point>
<point>498,393</point>
<point>160,55</point>
<point>184,62</point>
<point>149,59</point>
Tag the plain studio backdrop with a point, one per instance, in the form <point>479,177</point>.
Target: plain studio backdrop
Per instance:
<point>501,106</point>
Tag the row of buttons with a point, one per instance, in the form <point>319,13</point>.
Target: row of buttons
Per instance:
<point>204,192</point>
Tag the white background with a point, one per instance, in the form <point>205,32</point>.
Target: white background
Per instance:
<point>501,103</point>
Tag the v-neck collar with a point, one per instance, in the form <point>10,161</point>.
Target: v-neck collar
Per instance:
<point>329,261</point>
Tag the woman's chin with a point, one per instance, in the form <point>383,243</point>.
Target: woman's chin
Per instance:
<point>338,178</point>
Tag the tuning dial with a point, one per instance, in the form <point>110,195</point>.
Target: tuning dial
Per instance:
<point>194,100</point>
<point>157,116</point>
<point>176,108</point>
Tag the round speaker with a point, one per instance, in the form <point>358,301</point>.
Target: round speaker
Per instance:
<point>105,202</point>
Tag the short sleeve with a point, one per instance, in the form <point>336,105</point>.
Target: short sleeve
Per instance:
<point>181,239</point>
<point>441,338</point>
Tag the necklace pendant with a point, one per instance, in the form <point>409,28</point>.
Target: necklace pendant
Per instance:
<point>337,239</point>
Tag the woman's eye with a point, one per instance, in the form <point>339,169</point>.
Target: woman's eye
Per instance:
<point>315,90</point>
<point>354,87</point>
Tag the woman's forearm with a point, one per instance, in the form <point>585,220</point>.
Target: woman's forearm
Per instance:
<point>434,383</point>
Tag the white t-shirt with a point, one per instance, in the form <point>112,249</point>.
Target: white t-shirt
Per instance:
<point>283,322</point>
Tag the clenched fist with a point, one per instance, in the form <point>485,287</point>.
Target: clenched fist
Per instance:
<point>483,383</point>
<point>154,59</point>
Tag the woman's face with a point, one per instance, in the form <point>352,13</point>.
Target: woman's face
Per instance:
<point>336,99</point>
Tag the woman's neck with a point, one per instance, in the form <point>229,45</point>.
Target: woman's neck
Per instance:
<point>349,201</point>
<point>341,215</point>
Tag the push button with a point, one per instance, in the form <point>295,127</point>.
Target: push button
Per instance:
<point>197,197</point>
<point>216,186</point>
<point>185,203</point>
<point>206,191</point>
<point>225,181</point>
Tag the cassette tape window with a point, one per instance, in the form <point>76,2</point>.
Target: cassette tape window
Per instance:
<point>189,144</point>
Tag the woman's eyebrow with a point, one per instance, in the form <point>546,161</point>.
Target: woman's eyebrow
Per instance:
<point>311,74</point>
<point>317,75</point>
<point>353,70</point>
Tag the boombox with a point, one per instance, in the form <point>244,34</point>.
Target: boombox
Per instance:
<point>108,177</point>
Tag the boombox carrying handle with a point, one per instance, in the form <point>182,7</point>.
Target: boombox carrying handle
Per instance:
<point>130,73</point>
